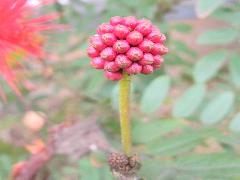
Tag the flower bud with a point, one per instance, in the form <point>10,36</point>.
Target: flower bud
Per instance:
<point>134,38</point>
<point>135,68</point>
<point>147,59</point>
<point>111,66</point>
<point>159,49</point>
<point>121,31</point>
<point>147,69</point>
<point>131,22</point>
<point>116,20</point>
<point>144,28</point>
<point>109,39</point>
<point>146,46</point>
<point>97,63</point>
<point>134,54</point>
<point>158,60</point>
<point>97,42</point>
<point>121,46</point>
<point>122,61</point>
<point>92,52</point>
<point>108,54</point>
<point>114,76</point>
<point>105,28</point>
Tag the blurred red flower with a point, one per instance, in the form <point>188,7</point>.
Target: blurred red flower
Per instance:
<point>20,33</point>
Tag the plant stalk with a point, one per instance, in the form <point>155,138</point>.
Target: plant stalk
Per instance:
<point>124,96</point>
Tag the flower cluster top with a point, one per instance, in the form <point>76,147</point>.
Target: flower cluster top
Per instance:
<point>126,45</point>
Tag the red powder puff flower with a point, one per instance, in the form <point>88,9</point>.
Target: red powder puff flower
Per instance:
<point>127,44</point>
<point>19,32</point>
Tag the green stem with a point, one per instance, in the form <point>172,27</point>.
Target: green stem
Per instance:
<point>124,96</point>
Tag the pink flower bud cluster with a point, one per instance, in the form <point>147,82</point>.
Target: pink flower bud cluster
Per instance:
<point>126,44</point>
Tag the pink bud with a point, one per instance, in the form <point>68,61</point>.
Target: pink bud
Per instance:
<point>164,50</point>
<point>108,54</point>
<point>144,28</point>
<point>158,60</point>
<point>131,22</point>
<point>147,59</point>
<point>116,20</point>
<point>156,37</point>
<point>97,63</point>
<point>122,61</point>
<point>135,68</point>
<point>111,66</point>
<point>147,69</point>
<point>134,54</point>
<point>109,39</point>
<point>134,38</point>
<point>146,45</point>
<point>121,46</point>
<point>159,49</point>
<point>105,28</point>
<point>92,52</point>
<point>97,42</point>
<point>114,76</point>
<point>163,38</point>
<point>121,31</point>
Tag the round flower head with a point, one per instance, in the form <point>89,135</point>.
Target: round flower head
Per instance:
<point>126,44</point>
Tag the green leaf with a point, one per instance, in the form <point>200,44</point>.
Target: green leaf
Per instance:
<point>155,94</point>
<point>217,109</point>
<point>171,146</point>
<point>88,171</point>
<point>234,68</point>
<point>210,166</point>
<point>94,82</point>
<point>188,103</point>
<point>147,11</point>
<point>231,140</point>
<point>208,66</point>
<point>5,165</point>
<point>235,123</point>
<point>183,28</point>
<point>182,47</point>
<point>231,17</point>
<point>153,129</point>
<point>205,7</point>
<point>220,36</point>
<point>152,169</point>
